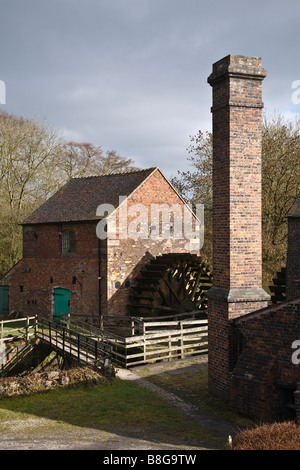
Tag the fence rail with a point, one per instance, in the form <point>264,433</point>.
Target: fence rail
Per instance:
<point>188,338</point>
<point>21,328</point>
<point>143,340</point>
<point>148,339</point>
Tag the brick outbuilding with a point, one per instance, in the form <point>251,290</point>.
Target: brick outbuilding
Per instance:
<point>265,372</point>
<point>78,254</point>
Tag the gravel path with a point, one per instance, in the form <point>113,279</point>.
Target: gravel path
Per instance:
<point>23,435</point>
<point>217,426</point>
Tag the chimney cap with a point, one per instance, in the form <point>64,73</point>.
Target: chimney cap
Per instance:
<point>237,66</point>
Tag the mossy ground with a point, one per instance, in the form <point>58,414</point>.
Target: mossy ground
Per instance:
<point>122,408</point>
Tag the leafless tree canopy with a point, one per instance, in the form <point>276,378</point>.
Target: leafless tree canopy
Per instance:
<point>280,186</point>
<point>34,163</point>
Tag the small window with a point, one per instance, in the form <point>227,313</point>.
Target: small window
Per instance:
<point>68,242</point>
<point>4,300</point>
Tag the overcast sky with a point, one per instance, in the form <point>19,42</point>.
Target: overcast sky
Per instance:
<point>131,75</point>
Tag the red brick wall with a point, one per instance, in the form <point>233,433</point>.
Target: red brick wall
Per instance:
<point>237,260</point>
<point>293,258</point>
<point>120,261</point>
<point>264,376</point>
<point>127,256</point>
<point>44,268</point>
<point>237,115</point>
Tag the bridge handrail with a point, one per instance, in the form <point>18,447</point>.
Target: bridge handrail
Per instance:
<point>72,342</point>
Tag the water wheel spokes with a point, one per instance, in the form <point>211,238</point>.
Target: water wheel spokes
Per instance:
<point>173,283</point>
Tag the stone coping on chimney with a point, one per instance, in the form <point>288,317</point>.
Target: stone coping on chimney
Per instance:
<point>238,295</point>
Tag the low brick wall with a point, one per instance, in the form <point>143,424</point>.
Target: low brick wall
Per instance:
<point>265,377</point>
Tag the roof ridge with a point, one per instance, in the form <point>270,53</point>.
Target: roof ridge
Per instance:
<point>295,208</point>
<point>115,174</point>
<point>92,190</point>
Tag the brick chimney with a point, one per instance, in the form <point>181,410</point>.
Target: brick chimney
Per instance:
<point>237,247</point>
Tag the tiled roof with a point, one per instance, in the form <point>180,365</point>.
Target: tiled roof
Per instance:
<point>295,209</point>
<point>78,199</point>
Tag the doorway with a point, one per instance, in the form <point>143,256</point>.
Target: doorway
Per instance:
<point>3,300</point>
<point>61,303</point>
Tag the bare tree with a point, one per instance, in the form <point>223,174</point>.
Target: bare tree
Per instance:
<point>29,153</point>
<point>280,186</point>
<point>34,163</point>
<point>195,185</point>
<point>27,150</point>
<point>80,159</point>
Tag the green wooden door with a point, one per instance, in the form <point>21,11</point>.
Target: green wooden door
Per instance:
<point>3,300</point>
<point>61,303</point>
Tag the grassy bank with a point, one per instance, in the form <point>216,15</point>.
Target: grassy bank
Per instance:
<point>122,408</point>
<point>192,387</point>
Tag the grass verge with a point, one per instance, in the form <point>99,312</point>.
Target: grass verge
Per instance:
<point>121,408</point>
<point>193,388</point>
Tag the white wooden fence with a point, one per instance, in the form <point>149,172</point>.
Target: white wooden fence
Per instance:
<point>147,339</point>
<point>161,341</point>
<point>19,328</point>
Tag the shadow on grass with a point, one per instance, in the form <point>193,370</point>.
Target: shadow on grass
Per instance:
<point>189,381</point>
<point>123,408</point>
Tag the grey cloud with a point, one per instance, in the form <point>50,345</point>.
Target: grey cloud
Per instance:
<point>130,75</point>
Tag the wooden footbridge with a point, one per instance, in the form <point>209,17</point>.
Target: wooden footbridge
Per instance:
<point>123,341</point>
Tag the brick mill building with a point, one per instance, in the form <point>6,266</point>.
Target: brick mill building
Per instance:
<point>253,349</point>
<point>69,267</point>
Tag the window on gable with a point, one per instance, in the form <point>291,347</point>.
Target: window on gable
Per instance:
<point>68,242</point>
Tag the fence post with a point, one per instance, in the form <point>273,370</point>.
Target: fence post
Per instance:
<point>145,348</point>
<point>96,351</point>
<point>169,346</point>
<point>63,345</point>
<point>35,326</point>
<point>56,329</point>
<point>70,342</point>
<point>27,329</point>
<point>78,348</point>
<point>143,326</point>
<point>181,341</point>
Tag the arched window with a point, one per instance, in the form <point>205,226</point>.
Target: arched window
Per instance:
<point>68,242</point>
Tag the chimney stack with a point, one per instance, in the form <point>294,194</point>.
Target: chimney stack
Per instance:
<point>237,246</point>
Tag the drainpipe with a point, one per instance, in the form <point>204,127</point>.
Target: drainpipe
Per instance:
<point>99,275</point>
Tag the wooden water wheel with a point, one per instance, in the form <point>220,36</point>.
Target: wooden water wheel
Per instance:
<point>170,284</point>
